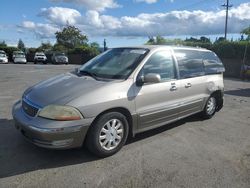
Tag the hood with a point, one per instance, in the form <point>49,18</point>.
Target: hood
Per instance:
<point>61,89</point>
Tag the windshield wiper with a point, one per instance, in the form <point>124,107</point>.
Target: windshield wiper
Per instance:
<point>93,75</point>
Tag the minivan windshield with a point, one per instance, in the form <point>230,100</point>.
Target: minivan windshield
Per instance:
<point>117,63</point>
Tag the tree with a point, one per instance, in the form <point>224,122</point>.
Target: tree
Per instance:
<point>220,39</point>
<point>45,46</point>
<point>151,40</point>
<point>71,37</point>
<point>3,44</point>
<point>94,45</point>
<point>205,39</point>
<point>20,45</point>
<point>246,31</point>
<point>160,40</point>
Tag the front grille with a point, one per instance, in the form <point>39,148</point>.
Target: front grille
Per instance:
<point>29,109</point>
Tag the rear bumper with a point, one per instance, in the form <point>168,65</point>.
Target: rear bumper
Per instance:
<point>49,133</point>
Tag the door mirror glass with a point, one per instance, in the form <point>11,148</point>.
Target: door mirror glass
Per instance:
<point>151,78</point>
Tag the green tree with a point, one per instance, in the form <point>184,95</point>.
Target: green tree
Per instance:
<point>71,37</point>
<point>160,40</point>
<point>45,46</point>
<point>246,31</point>
<point>94,45</point>
<point>3,44</point>
<point>59,48</point>
<point>20,45</point>
<point>151,40</point>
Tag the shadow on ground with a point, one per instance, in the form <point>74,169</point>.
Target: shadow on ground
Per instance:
<point>17,156</point>
<point>239,92</point>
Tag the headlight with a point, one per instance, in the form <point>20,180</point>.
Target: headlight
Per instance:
<point>60,113</point>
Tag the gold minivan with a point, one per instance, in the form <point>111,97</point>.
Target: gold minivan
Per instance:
<point>123,90</point>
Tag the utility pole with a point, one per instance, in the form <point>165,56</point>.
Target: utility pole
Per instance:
<point>227,8</point>
<point>104,45</point>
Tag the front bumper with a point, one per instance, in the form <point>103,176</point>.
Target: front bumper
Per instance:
<point>40,60</point>
<point>20,61</point>
<point>3,60</point>
<point>50,133</point>
<point>59,61</point>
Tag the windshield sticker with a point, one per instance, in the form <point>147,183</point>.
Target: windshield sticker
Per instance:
<point>138,51</point>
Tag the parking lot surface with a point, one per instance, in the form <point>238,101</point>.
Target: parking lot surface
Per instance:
<point>188,153</point>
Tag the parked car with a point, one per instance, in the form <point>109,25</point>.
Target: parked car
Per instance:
<point>3,57</point>
<point>40,57</point>
<point>15,53</point>
<point>59,58</point>
<point>121,91</point>
<point>19,58</point>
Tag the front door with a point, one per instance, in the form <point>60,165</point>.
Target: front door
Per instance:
<point>157,103</point>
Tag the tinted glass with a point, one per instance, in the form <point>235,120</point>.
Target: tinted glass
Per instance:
<point>190,63</point>
<point>160,63</point>
<point>2,54</point>
<point>116,63</point>
<point>212,63</point>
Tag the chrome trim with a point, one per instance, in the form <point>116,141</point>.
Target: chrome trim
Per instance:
<point>56,130</point>
<point>31,104</point>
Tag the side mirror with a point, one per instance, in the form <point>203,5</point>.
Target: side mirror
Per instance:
<point>149,78</point>
<point>152,78</point>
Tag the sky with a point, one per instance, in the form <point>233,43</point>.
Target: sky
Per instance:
<point>120,22</point>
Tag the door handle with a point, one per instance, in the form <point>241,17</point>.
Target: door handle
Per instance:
<point>173,88</point>
<point>188,85</point>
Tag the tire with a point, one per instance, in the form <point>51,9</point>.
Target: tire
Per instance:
<point>210,108</point>
<point>103,136</point>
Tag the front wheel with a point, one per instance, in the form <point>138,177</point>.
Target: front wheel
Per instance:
<point>108,134</point>
<point>210,108</point>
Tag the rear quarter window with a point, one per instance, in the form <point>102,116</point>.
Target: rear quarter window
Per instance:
<point>212,63</point>
<point>190,63</point>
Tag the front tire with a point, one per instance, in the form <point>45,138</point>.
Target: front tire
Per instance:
<point>108,134</point>
<point>210,108</point>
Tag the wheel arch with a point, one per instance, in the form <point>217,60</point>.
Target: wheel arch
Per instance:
<point>218,94</point>
<point>121,110</point>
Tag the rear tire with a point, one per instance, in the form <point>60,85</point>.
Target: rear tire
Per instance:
<point>107,134</point>
<point>210,108</point>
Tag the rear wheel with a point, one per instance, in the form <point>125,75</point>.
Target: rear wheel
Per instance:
<point>108,134</point>
<point>210,108</point>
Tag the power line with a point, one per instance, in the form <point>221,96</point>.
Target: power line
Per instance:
<point>227,6</point>
<point>192,5</point>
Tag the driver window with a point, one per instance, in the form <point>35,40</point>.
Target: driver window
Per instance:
<point>161,63</point>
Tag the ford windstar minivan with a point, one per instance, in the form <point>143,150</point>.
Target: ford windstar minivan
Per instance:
<point>123,90</point>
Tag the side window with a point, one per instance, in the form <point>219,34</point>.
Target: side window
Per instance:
<point>161,63</point>
<point>190,63</point>
<point>212,63</point>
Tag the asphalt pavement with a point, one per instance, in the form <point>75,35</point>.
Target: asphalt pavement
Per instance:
<point>188,153</point>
